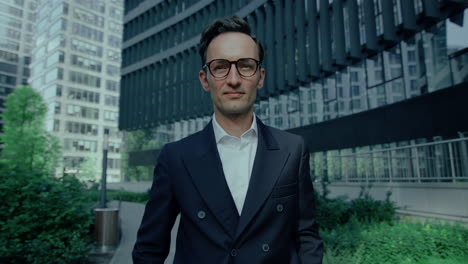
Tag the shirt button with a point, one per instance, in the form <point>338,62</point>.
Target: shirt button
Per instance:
<point>265,247</point>
<point>201,214</point>
<point>234,252</point>
<point>279,208</point>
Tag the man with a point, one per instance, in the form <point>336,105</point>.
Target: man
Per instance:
<point>242,189</point>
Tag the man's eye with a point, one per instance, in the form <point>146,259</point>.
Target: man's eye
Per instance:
<point>246,66</point>
<point>220,67</point>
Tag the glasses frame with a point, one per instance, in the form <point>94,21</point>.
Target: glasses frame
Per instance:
<point>207,65</point>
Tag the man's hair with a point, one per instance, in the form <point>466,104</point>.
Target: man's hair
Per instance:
<point>222,25</point>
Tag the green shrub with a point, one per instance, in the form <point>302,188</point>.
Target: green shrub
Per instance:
<point>116,195</point>
<point>409,242</point>
<point>127,196</point>
<point>43,219</point>
<point>368,210</point>
<point>344,238</point>
<point>333,213</point>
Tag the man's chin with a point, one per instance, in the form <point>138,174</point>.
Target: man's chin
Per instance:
<point>235,110</point>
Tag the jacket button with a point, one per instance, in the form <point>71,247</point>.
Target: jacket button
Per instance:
<point>265,247</point>
<point>201,214</point>
<point>279,208</point>
<point>234,252</point>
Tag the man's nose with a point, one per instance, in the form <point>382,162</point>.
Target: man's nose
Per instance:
<point>233,79</point>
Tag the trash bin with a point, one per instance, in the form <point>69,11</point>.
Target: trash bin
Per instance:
<point>107,228</point>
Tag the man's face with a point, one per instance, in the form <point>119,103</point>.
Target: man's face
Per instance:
<point>233,94</point>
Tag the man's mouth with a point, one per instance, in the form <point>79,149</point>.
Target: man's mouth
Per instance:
<point>233,94</point>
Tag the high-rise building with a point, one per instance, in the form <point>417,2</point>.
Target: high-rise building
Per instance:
<point>376,88</point>
<point>76,67</point>
<point>16,25</point>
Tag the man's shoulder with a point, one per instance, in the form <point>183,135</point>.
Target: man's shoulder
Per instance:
<point>284,136</point>
<point>185,143</point>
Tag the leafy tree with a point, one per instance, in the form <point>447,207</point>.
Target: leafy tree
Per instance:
<point>136,141</point>
<point>88,170</point>
<point>43,219</point>
<point>26,143</point>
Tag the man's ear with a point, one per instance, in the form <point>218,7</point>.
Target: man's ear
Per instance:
<point>262,78</point>
<point>203,80</point>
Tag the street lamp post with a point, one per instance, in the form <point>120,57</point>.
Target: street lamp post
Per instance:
<point>105,148</point>
<point>107,219</point>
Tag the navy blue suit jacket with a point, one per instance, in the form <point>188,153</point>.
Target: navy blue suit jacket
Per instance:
<point>277,224</point>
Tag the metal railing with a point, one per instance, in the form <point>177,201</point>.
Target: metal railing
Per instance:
<point>441,161</point>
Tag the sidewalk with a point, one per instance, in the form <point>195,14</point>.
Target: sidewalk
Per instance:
<point>130,218</point>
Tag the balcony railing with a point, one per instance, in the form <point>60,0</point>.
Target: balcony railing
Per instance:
<point>441,161</point>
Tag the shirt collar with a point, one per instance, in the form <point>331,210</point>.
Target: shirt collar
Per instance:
<point>220,133</point>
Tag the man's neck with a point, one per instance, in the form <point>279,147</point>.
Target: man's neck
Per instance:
<point>235,125</point>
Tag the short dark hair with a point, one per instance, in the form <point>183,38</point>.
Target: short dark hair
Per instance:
<point>226,24</point>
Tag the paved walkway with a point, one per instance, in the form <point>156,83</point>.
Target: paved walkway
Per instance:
<point>130,219</point>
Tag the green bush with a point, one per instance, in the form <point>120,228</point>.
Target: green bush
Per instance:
<point>334,213</point>
<point>127,196</point>
<point>368,210</point>
<point>409,242</point>
<point>343,238</point>
<point>116,195</point>
<point>43,219</point>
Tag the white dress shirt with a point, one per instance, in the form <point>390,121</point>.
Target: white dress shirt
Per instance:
<point>237,157</point>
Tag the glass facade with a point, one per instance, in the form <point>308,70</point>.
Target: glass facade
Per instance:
<point>71,64</point>
<point>16,24</point>
<point>325,60</point>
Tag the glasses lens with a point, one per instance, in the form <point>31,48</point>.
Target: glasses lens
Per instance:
<point>247,67</point>
<point>220,68</point>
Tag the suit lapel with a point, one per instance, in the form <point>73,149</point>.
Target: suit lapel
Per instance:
<point>268,164</point>
<point>207,174</point>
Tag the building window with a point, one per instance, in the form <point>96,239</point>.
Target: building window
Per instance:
<point>72,162</point>
<point>86,47</point>
<point>83,95</point>
<point>88,17</point>
<point>113,70</point>
<point>86,63</point>
<point>114,147</point>
<point>81,128</point>
<point>56,125</point>
<point>113,163</point>
<point>115,13</point>
<point>111,100</point>
<point>97,5</point>
<point>87,32</point>
<point>85,79</point>
<point>111,116</point>
<point>11,10</point>
<point>411,56</point>
<point>113,56</point>
<point>115,27</point>
<point>57,107</point>
<point>112,86</point>
<point>114,41</point>
<point>83,112</point>
<point>80,145</point>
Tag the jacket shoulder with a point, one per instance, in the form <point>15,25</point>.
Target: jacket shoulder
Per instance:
<point>284,136</point>
<point>186,143</point>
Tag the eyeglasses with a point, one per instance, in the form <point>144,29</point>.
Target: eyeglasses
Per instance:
<point>220,68</point>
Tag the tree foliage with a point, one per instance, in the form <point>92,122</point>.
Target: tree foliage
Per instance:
<point>43,219</point>
<point>137,141</point>
<point>26,143</point>
<point>88,169</point>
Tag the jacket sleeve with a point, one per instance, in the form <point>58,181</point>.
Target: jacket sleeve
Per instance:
<point>154,235</point>
<point>309,241</point>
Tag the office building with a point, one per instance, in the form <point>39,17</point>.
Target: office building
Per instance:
<point>376,88</point>
<point>76,67</point>
<point>17,18</point>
